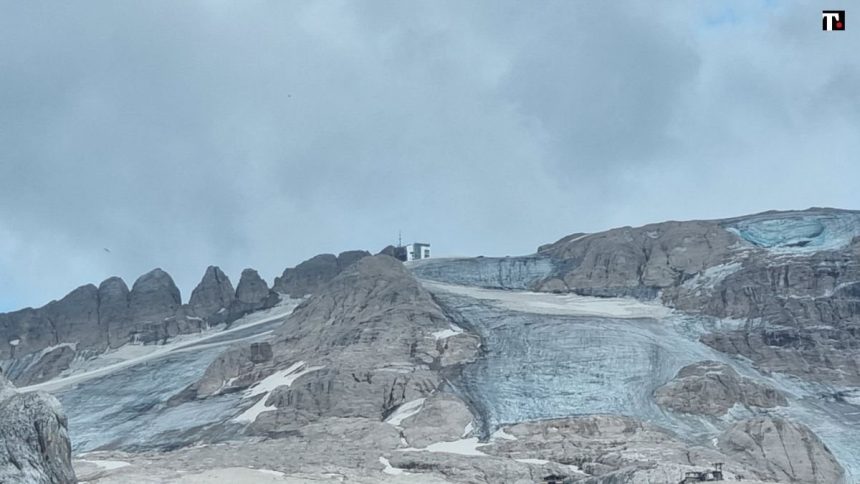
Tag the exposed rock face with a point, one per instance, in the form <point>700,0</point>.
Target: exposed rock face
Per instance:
<point>38,344</point>
<point>361,347</point>
<point>441,418</point>
<point>36,447</point>
<point>640,261</point>
<point>114,312</point>
<point>712,388</point>
<point>48,365</point>
<point>214,293</point>
<point>154,297</point>
<point>793,276</point>
<point>312,274</point>
<point>783,450</point>
<point>76,317</point>
<point>252,288</point>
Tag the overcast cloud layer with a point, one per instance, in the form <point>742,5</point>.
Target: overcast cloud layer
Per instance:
<point>258,134</point>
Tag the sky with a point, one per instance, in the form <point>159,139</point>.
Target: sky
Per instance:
<point>260,133</point>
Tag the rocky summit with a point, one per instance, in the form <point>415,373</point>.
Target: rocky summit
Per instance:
<point>674,352</point>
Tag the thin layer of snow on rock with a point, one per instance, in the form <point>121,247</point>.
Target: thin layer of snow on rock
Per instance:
<point>460,447</point>
<point>557,304</point>
<point>271,382</point>
<point>502,435</point>
<point>405,411</point>
<point>712,276</point>
<point>533,461</point>
<point>107,465</point>
<point>236,475</point>
<point>454,330</point>
<point>469,428</point>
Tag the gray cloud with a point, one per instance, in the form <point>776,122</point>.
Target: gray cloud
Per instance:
<point>182,134</point>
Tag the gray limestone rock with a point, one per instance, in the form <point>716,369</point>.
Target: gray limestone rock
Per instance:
<point>800,304</point>
<point>154,297</point>
<point>214,293</point>
<point>48,365</point>
<point>341,393</point>
<point>252,289</point>
<point>307,277</point>
<point>252,294</point>
<point>783,450</point>
<point>640,261</point>
<point>712,388</point>
<point>365,344</point>
<point>34,433</point>
<point>159,332</point>
<point>311,275</point>
<point>75,318</point>
<point>25,331</point>
<point>442,417</point>
<point>114,312</point>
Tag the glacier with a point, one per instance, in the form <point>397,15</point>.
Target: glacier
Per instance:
<point>798,232</point>
<point>493,272</point>
<point>539,362</point>
<point>126,406</point>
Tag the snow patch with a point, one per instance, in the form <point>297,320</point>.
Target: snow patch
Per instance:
<point>710,277</point>
<point>405,411</point>
<point>15,342</point>
<point>459,447</point>
<point>533,461</point>
<point>501,434</point>
<point>454,330</point>
<point>468,430</point>
<point>108,465</point>
<point>269,471</point>
<point>266,385</point>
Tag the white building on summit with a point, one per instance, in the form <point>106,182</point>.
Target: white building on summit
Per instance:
<point>418,251</point>
<point>415,251</point>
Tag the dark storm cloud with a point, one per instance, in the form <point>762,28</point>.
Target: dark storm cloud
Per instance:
<point>182,134</point>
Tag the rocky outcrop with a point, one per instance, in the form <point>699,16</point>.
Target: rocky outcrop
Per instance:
<point>38,344</point>
<point>713,388</point>
<point>639,261</point>
<point>214,294</point>
<point>154,297</point>
<point>311,275</point>
<point>442,417</point>
<point>49,363</point>
<point>76,318</point>
<point>782,450</point>
<point>360,348</point>
<point>793,277</point>
<point>34,433</point>
<point>113,311</point>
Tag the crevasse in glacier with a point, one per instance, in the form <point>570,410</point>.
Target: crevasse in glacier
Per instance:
<point>798,231</point>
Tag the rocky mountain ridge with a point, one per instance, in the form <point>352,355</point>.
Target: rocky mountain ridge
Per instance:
<point>793,278</point>
<point>38,344</point>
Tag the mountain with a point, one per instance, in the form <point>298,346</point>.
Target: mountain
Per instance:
<point>627,356</point>
<point>39,344</point>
